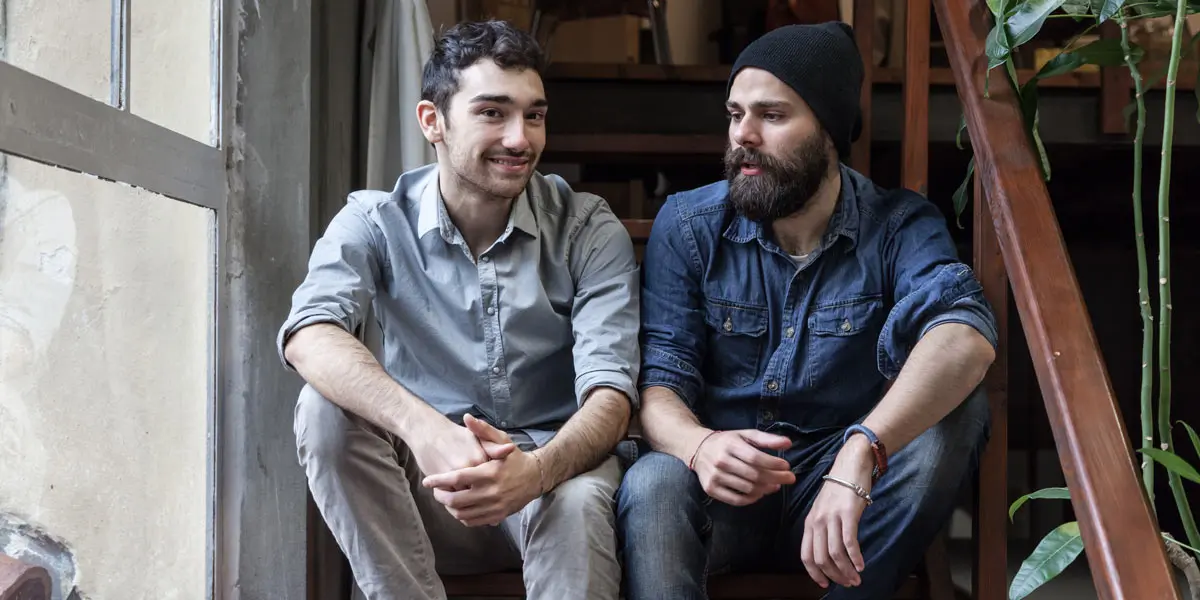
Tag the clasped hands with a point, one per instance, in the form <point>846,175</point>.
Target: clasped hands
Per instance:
<point>734,469</point>
<point>477,472</point>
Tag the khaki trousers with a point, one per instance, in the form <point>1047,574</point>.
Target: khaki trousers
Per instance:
<point>398,538</point>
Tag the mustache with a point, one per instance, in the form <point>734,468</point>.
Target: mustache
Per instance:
<point>736,156</point>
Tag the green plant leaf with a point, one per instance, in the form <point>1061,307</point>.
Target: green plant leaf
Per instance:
<point>998,8</point>
<point>1077,8</point>
<point>1052,556</point>
<point>1054,493</point>
<point>997,46</point>
<point>963,193</point>
<point>1108,53</point>
<point>962,126</point>
<point>1192,434</point>
<point>1173,463</point>
<point>1026,21</point>
<point>1109,8</point>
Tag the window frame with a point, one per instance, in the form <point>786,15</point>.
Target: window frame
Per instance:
<point>48,123</point>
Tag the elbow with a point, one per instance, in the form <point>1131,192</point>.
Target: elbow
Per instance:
<point>296,349</point>
<point>981,352</point>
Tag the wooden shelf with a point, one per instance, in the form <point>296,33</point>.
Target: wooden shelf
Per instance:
<point>634,144</point>
<point>938,76</point>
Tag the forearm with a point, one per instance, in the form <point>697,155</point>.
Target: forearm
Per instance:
<point>941,371</point>
<point>586,438</point>
<point>342,370</point>
<point>669,425</point>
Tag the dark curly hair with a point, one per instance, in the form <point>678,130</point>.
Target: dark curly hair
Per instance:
<point>467,43</point>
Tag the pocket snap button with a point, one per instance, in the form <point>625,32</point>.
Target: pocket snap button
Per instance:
<point>728,326</point>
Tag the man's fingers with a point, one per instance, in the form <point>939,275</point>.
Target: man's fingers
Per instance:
<point>730,464</point>
<point>497,451</point>
<point>763,439</point>
<point>753,456</point>
<point>731,497</point>
<point>461,478</point>
<point>458,500</point>
<point>733,482</point>
<point>843,572</point>
<point>806,557</point>
<point>485,432</point>
<point>850,538</point>
<point>820,556</point>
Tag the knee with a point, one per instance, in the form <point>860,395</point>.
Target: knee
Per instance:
<point>583,499</point>
<point>657,485</point>
<point>320,427</point>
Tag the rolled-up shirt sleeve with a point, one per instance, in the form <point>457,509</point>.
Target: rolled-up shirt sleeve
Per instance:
<point>605,317</point>
<point>930,286</point>
<point>343,272</point>
<point>672,320</point>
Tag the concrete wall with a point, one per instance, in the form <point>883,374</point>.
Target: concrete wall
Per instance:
<point>105,315</point>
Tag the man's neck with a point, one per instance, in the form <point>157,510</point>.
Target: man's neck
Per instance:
<point>480,218</point>
<point>800,233</point>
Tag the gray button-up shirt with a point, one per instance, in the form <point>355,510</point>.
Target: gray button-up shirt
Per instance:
<point>518,337</point>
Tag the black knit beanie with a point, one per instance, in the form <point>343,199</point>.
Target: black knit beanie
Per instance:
<point>822,63</point>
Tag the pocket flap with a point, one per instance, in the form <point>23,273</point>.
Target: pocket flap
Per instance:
<point>846,318</point>
<point>736,320</point>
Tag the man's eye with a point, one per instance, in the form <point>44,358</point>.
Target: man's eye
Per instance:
<point>772,117</point>
<point>491,113</point>
<point>734,116</point>
<point>536,116</point>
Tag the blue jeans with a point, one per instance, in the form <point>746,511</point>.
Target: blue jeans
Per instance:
<point>673,535</point>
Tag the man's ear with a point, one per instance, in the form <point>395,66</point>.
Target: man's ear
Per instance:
<point>432,123</point>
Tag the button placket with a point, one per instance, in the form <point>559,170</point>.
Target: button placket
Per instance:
<point>489,296</point>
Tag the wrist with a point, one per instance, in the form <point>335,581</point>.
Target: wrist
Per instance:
<point>539,472</point>
<point>702,436</point>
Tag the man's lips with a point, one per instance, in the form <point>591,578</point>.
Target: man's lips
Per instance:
<point>751,169</point>
<point>510,163</point>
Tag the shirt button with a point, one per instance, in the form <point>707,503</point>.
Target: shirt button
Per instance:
<point>790,331</point>
<point>486,259</point>
<point>772,385</point>
<point>728,326</point>
<point>768,416</point>
<point>491,310</point>
<point>846,325</point>
<point>504,423</point>
<point>496,370</point>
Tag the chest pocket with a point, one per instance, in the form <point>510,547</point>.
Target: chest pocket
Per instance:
<point>842,346</point>
<point>736,335</point>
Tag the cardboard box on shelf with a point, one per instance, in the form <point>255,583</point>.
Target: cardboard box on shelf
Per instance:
<point>517,12</point>
<point>597,40</point>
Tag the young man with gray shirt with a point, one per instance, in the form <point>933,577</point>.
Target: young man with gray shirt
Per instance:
<point>509,311</point>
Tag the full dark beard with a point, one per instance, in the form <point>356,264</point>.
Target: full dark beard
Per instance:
<point>784,186</point>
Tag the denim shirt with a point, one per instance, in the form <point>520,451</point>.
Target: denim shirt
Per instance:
<point>750,338</point>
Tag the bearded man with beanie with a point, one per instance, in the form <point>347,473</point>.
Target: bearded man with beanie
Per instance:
<point>812,352</point>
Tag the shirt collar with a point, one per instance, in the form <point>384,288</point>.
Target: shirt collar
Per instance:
<point>843,222</point>
<point>433,214</point>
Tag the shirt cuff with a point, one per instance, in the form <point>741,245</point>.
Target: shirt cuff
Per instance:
<point>662,369</point>
<point>299,321</point>
<point>966,316</point>
<point>615,379</point>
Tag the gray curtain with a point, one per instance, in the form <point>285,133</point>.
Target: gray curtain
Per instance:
<point>397,39</point>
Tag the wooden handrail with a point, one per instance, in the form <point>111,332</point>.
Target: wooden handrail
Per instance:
<point>1092,442</point>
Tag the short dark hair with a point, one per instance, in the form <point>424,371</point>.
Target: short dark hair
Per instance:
<point>466,44</point>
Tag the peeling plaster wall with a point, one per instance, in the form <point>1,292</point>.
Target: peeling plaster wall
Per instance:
<point>105,296</point>
<point>270,218</point>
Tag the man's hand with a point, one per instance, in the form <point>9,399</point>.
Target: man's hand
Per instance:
<point>735,471</point>
<point>449,448</point>
<point>830,548</point>
<point>488,493</point>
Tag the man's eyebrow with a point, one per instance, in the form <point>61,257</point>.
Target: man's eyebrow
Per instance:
<point>760,104</point>
<point>505,99</point>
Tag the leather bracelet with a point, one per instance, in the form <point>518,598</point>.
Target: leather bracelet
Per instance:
<point>696,452</point>
<point>877,448</point>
